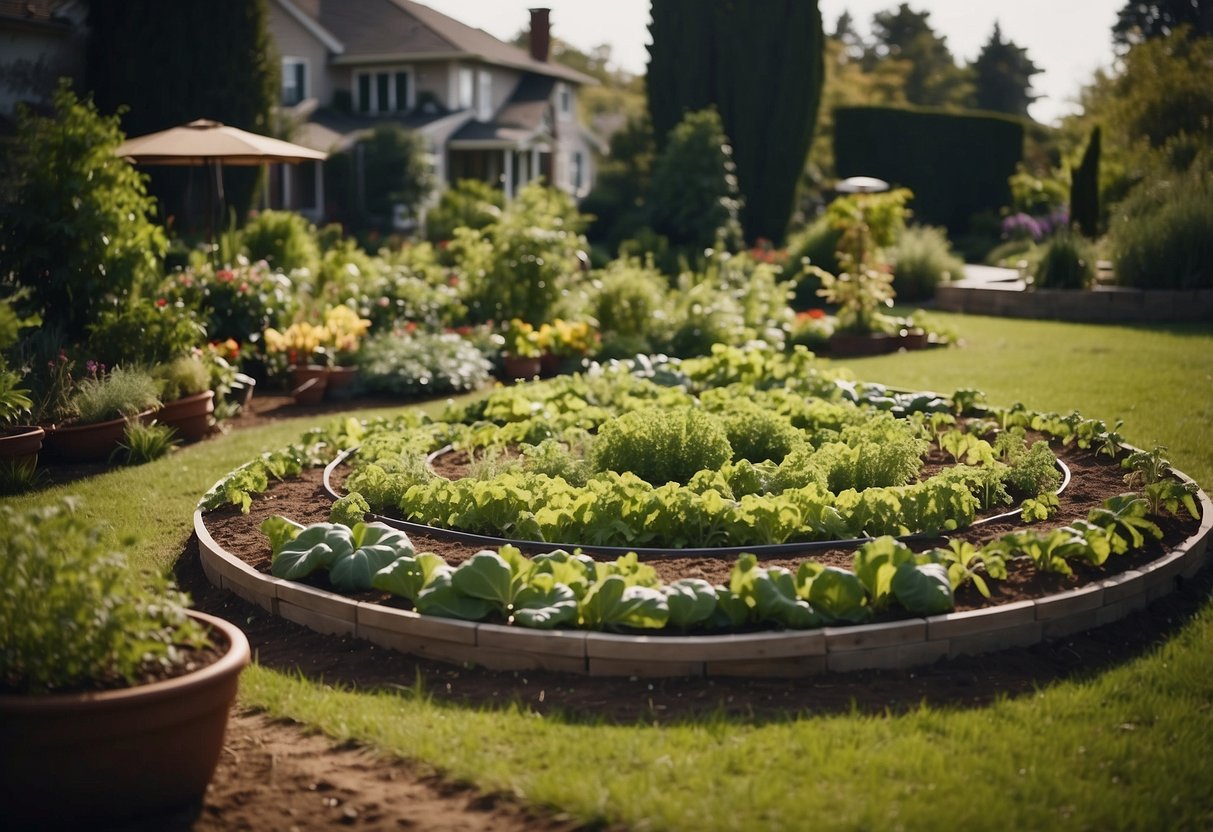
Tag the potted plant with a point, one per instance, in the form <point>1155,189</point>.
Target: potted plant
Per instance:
<point>346,331</point>
<point>114,697</point>
<point>565,344</point>
<point>303,345</point>
<point>19,443</point>
<point>100,406</point>
<point>523,349</point>
<point>185,388</point>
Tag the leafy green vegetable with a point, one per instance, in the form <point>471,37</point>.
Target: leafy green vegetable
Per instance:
<point>611,604</point>
<point>923,589</point>
<point>1124,519</point>
<point>836,594</point>
<point>691,601</point>
<point>349,510</point>
<point>280,531</point>
<point>351,556</point>
<point>876,563</point>
<point>408,576</point>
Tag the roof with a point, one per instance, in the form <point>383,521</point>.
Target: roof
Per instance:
<point>520,119</point>
<point>377,29</point>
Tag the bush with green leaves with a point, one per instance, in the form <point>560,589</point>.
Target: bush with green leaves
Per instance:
<point>121,393</point>
<point>922,258</point>
<point>757,434</point>
<point>1067,262</point>
<point>284,239</point>
<point>73,615</point>
<point>662,446</point>
<point>187,375</point>
<point>1162,233</point>
<point>76,223</point>
<point>421,364</point>
<point>469,203</point>
<point>237,302</point>
<point>628,299</point>
<point>144,443</point>
<point>143,331</point>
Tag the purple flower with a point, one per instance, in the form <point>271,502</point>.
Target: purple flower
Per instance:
<point>1019,226</point>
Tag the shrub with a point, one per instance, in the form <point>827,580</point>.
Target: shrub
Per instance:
<point>629,301</point>
<point>75,219</point>
<point>922,258</point>
<point>1162,233</point>
<point>421,364</point>
<point>661,446</point>
<point>1067,262</point>
<point>233,302</point>
<point>469,204</point>
<point>144,332</point>
<point>144,443</point>
<point>120,393</point>
<point>284,239</point>
<point>817,243</point>
<point>73,615</point>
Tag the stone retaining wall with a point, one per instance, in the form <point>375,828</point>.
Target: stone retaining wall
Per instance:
<point>1102,305</point>
<point>777,653</point>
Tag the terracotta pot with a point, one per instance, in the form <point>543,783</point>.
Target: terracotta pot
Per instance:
<point>341,383</point>
<point>120,753</point>
<point>190,416</point>
<point>847,345</point>
<point>308,383</point>
<point>914,339</point>
<point>520,366</point>
<point>87,443</point>
<point>19,445</point>
<point>549,365</point>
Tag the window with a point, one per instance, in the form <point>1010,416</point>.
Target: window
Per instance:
<point>384,92</point>
<point>564,102</point>
<point>578,172</point>
<point>467,89</point>
<point>484,95</point>
<point>294,81</point>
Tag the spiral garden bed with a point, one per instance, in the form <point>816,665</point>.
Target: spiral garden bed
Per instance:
<point>806,601</point>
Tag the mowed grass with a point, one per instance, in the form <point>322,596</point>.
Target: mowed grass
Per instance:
<point>1127,749</point>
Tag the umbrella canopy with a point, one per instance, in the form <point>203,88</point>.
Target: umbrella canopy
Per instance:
<point>202,142</point>
<point>861,185</point>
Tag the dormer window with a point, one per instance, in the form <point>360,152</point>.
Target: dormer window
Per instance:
<point>564,102</point>
<point>294,81</point>
<point>384,91</point>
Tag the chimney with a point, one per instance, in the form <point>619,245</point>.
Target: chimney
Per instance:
<point>541,34</point>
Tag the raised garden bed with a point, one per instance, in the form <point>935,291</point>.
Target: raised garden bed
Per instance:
<point>1024,607</point>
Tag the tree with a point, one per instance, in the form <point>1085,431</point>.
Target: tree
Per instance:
<point>934,79</point>
<point>693,198</point>
<point>395,171</point>
<point>760,65</point>
<point>1084,188</point>
<point>1138,22</point>
<point>171,63</point>
<point>1002,76</point>
<point>75,227</point>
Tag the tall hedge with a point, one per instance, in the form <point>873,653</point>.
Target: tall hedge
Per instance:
<point>759,63</point>
<point>957,164</point>
<point>1084,188</point>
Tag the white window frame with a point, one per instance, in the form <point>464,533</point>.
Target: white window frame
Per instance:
<point>465,88</point>
<point>288,65</point>
<point>393,105</point>
<point>564,102</point>
<point>484,95</point>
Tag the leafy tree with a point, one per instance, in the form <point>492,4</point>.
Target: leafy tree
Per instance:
<point>617,201</point>
<point>1002,76</point>
<point>760,65</point>
<point>934,78</point>
<point>1084,188</point>
<point>693,198</point>
<point>181,61</point>
<point>395,170</point>
<point>75,227</point>
<point>1138,22</point>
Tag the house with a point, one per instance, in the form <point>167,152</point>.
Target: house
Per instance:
<point>486,109</point>
<point>40,40</point>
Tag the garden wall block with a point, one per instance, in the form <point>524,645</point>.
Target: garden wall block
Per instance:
<point>417,626</point>
<point>1105,305</point>
<point>1068,603</point>
<point>1020,635</point>
<point>958,624</point>
<point>740,647</point>
<point>430,648</point>
<point>887,634</point>
<point>562,643</point>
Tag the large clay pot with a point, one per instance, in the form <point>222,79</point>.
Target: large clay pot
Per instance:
<point>19,445</point>
<point>190,416</point>
<point>308,383</point>
<point>94,442</point>
<point>340,384</point>
<point>520,366</point>
<point>91,757</point>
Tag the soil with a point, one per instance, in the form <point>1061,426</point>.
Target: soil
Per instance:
<point>278,775</point>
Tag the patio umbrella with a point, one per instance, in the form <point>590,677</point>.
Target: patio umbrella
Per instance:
<point>211,143</point>
<point>861,185</point>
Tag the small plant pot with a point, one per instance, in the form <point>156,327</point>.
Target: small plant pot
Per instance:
<point>308,383</point>
<point>190,416</point>
<point>520,366</point>
<point>340,385</point>
<point>94,442</point>
<point>20,444</point>
<point>549,365</point>
<point>83,758</point>
<point>914,339</point>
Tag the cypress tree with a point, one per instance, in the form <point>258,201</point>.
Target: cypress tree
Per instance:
<point>760,64</point>
<point>1084,188</point>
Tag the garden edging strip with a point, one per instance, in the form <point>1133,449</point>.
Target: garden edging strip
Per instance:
<point>778,653</point>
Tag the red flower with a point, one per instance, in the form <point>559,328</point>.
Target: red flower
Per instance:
<point>161,302</point>
<point>225,275</point>
<point>817,313</point>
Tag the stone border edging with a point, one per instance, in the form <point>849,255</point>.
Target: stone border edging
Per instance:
<point>776,653</point>
<point>1118,305</point>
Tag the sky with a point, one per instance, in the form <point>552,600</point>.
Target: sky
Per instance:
<point>1067,39</point>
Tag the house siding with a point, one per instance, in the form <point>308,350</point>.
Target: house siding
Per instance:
<point>294,41</point>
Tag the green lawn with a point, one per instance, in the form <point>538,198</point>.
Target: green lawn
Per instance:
<point>1128,749</point>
